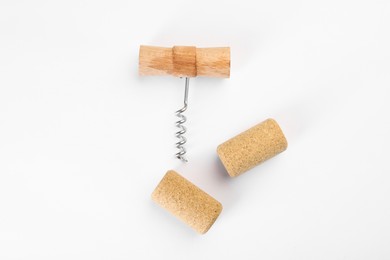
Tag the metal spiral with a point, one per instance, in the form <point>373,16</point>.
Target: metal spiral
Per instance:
<point>179,124</point>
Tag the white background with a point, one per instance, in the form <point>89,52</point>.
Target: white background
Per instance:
<point>84,140</point>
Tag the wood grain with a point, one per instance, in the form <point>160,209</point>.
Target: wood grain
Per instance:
<point>184,61</point>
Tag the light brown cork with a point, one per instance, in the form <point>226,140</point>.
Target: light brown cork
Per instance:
<point>187,202</point>
<point>252,147</point>
<point>184,61</point>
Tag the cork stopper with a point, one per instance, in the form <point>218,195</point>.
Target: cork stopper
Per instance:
<point>187,202</point>
<point>252,147</point>
<point>184,61</point>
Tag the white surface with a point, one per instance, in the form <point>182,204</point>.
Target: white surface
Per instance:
<point>84,140</point>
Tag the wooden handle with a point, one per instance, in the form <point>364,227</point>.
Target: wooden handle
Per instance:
<point>184,61</point>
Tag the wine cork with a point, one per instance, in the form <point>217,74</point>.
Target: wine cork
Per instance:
<point>184,61</point>
<point>187,202</point>
<point>252,147</point>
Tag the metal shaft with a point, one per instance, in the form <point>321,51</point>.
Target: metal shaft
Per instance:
<point>179,124</point>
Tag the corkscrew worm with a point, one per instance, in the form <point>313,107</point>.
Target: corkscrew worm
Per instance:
<point>179,124</point>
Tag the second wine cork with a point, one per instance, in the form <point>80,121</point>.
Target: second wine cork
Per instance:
<point>252,147</point>
<point>187,202</point>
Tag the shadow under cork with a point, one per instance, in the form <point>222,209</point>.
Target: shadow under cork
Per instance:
<point>170,223</point>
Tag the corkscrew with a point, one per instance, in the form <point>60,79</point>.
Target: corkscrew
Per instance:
<point>179,124</point>
<point>184,62</point>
